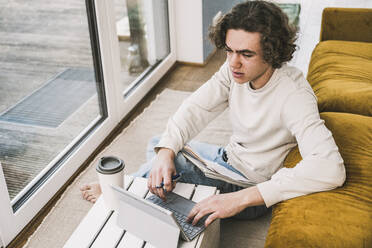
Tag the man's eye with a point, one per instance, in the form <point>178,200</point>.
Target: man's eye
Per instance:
<point>247,55</point>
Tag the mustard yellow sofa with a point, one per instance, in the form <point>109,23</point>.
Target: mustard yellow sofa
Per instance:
<point>340,73</point>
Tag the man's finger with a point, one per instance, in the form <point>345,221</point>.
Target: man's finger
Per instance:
<point>192,213</point>
<point>159,191</point>
<point>154,184</point>
<point>210,219</point>
<point>149,183</point>
<point>167,182</point>
<point>151,190</point>
<point>173,185</point>
<point>198,217</point>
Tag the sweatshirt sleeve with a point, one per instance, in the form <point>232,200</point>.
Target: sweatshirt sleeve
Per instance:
<point>321,167</point>
<point>197,111</point>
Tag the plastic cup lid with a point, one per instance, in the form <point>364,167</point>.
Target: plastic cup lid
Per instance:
<point>110,165</point>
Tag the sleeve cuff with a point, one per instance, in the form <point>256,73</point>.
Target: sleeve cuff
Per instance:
<point>167,143</point>
<point>269,193</point>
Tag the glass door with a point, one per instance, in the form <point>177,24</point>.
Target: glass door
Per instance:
<point>145,34</point>
<point>68,75</point>
<point>51,90</point>
<point>53,108</point>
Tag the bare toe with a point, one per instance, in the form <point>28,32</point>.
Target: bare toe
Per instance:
<point>86,194</point>
<point>85,187</point>
<point>91,198</point>
<point>91,192</point>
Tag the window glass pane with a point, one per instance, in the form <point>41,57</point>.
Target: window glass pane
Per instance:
<point>48,88</point>
<point>143,34</point>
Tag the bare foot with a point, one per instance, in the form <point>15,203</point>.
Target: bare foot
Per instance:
<point>91,191</point>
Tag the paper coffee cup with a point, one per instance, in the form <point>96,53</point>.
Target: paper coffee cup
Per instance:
<point>110,171</point>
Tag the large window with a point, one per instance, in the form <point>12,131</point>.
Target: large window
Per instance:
<point>69,72</point>
<point>51,88</point>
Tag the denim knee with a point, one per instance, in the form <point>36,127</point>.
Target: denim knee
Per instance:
<point>153,142</point>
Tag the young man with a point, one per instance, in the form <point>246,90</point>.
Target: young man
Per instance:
<point>271,106</point>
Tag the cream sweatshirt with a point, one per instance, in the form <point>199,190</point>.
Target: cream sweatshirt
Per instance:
<point>266,124</point>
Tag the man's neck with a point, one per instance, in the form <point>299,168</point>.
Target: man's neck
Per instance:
<point>262,79</point>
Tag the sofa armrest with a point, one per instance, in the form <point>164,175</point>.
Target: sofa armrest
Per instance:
<point>349,24</point>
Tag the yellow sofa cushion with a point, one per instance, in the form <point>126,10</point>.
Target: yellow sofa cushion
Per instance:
<point>352,24</point>
<point>338,218</point>
<point>340,73</point>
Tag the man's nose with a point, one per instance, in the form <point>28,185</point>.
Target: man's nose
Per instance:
<point>235,60</point>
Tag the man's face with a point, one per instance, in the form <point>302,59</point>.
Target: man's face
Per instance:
<point>244,54</point>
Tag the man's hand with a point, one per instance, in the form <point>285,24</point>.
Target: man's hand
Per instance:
<point>225,205</point>
<point>162,171</point>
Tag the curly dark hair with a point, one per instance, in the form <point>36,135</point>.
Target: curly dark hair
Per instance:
<point>277,35</point>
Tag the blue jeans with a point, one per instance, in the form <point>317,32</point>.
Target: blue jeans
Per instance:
<point>192,174</point>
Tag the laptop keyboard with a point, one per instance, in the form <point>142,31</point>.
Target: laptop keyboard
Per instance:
<point>190,231</point>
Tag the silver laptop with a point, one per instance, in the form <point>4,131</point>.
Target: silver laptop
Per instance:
<point>156,221</point>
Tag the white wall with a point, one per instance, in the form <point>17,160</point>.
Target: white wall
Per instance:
<point>189,31</point>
